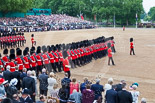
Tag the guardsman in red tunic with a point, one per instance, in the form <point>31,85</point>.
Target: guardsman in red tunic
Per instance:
<point>112,44</point>
<point>15,40</point>
<point>110,54</point>
<point>5,57</point>
<point>1,40</point>
<point>1,63</point>
<point>52,61</point>
<point>73,55</point>
<point>32,60</point>
<point>25,60</point>
<point>69,57</point>
<point>90,53</point>
<point>85,54</point>
<point>19,60</point>
<point>94,50</point>
<point>8,41</point>
<point>11,39</point>
<point>12,62</point>
<point>18,40</point>
<point>39,61</point>
<point>66,65</point>
<point>46,59</point>
<point>76,55</point>
<point>60,57</point>
<point>131,47</point>
<point>56,58</point>
<point>79,56</point>
<point>4,41</point>
<point>32,40</point>
<point>23,39</point>
<point>82,54</point>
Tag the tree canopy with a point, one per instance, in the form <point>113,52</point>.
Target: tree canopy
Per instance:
<point>124,10</point>
<point>152,14</point>
<point>15,5</point>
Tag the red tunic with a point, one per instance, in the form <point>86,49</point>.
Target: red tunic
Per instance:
<point>78,52</point>
<point>65,62</point>
<point>6,60</point>
<point>46,61</point>
<point>12,66</point>
<point>33,62</point>
<point>109,52</point>
<point>82,52</point>
<point>69,56</point>
<point>39,61</point>
<point>32,40</point>
<point>19,63</point>
<point>23,38</point>
<point>15,39</point>
<point>1,64</point>
<point>51,58</point>
<point>8,39</point>
<point>61,57</point>
<point>20,37</point>
<point>73,55</point>
<point>56,58</point>
<point>131,45</point>
<point>26,62</point>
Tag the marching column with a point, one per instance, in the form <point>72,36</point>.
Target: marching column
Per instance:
<point>39,62</point>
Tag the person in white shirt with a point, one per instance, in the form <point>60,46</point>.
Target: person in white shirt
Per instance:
<point>108,86</point>
<point>135,94</point>
<point>51,82</point>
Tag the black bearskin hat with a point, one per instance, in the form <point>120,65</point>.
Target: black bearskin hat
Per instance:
<point>12,51</point>
<point>48,48</point>
<point>65,54</point>
<point>32,35</point>
<point>33,48</point>
<point>5,51</point>
<point>38,47</point>
<point>112,38</point>
<point>25,52</point>
<point>12,56</point>
<point>19,52</point>
<point>38,51</point>
<point>131,39</point>
<point>31,51</point>
<point>17,49</point>
<point>27,48</point>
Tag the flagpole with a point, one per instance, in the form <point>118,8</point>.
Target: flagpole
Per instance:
<point>114,21</point>
<point>136,20</point>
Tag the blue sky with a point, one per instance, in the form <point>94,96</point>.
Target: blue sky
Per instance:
<point>147,4</point>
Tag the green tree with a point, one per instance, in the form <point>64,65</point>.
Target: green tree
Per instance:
<point>39,4</point>
<point>15,5</point>
<point>151,14</point>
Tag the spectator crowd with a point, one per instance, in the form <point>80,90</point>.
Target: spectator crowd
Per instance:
<point>44,23</point>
